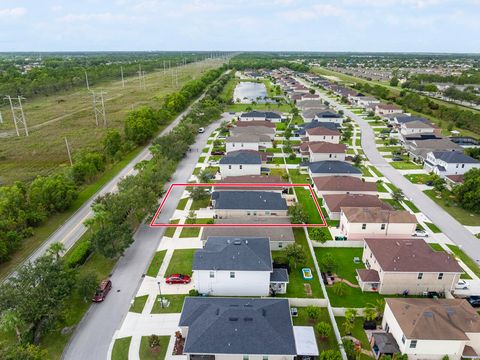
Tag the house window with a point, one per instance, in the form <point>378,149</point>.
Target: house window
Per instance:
<point>212,274</point>
<point>233,145</point>
<point>330,155</point>
<point>413,344</point>
<point>232,274</point>
<point>440,276</point>
<point>364,226</point>
<point>387,327</point>
<point>240,167</point>
<point>245,357</point>
<point>382,227</point>
<point>280,245</point>
<point>403,339</point>
<point>463,165</point>
<point>229,167</point>
<point>420,276</point>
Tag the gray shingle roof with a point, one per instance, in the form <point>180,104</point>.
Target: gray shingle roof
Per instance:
<point>238,326</point>
<point>249,200</point>
<point>234,254</point>
<point>328,114</point>
<point>264,114</point>
<point>279,275</point>
<point>241,157</point>
<point>453,157</point>
<point>332,167</point>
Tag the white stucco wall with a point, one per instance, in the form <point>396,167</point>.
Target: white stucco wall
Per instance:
<point>327,156</point>
<point>238,170</point>
<point>245,283</point>
<point>234,146</point>
<point>335,139</point>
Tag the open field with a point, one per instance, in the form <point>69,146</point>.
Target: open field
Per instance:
<point>70,114</point>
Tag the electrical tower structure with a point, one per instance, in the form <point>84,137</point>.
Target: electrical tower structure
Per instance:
<point>99,107</point>
<point>17,114</point>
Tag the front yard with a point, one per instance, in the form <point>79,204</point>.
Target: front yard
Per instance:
<point>449,205</point>
<point>405,165</point>
<point>181,262</point>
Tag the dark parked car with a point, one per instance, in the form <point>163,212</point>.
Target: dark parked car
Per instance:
<point>177,279</point>
<point>218,152</point>
<point>397,158</point>
<point>474,300</point>
<point>102,291</point>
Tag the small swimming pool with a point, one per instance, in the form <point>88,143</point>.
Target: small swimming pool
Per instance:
<point>307,274</point>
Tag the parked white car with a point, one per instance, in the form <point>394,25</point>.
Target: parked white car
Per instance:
<point>462,285</point>
<point>420,233</point>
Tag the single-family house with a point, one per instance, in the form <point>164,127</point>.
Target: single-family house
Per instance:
<point>340,184</point>
<point>233,204</point>
<point>333,203</point>
<point>321,150</point>
<point>430,329</point>
<point>311,104</point>
<point>262,123</point>
<point>364,101</point>
<point>308,115</point>
<point>247,142</point>
<point>419,148</point>
<point>387,109</point>
<point>279,236</point>
<point>308,96</point>
<point>445,163</point>
<point>329,116</point>
<point>361,222</point>
<point>416,128</point>
<point>261,116</point>
<point>253,130</point>
<point>321,133</point>
<point>406,266</point>
<point>331,168</point>
<point>243,328</point>
<point>242,162</point>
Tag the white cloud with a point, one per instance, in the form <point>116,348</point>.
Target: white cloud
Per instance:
<point>315,11</point>
<point>99,17</point>
<point>390,3</point>
<point>12,12</point>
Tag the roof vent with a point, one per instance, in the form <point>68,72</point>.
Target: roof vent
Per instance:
<point>237,242</point>
<point>248,319</point>
<point>233,318</point>
<point>264,312</point>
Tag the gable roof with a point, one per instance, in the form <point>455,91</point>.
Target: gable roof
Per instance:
<point>248,138</point>
<point>328,114</point>
<point>262,123</point>
<point>235,254</point>
<point>273,233</point>
<point>416,124</point>
<point>435,319</point>
<point>411,255</point>
<point>264,114</point>
<point>238,326</point>
<point>256,130</point>
<point>315,123</point>
<point>343,183</point>
<point>388,106</point>
<point>241,157</point>
<point>336,201</point>
<point>249,200</point>
<point>453,157</point>
<point>332,167</point>
<point>320,130</point>
<point>377,215</point>
<point>322,147</point>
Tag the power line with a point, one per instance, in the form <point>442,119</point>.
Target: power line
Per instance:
<point>99,107</point>
<point>17,113</point>
<point>141,77</point>
<point>86,80</point>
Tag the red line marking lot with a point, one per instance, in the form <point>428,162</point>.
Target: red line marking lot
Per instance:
<point>153,223</point>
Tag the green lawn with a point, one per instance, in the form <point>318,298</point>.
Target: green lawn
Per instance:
<point>193,231</point>
<point>375,171</point>
<point>357,331</point>
<point>293,161</point>
<point>365,171</point>
<point>434,228</point>
<point>138,304</point>
<point>182,203</point>
<point>418,178</point>
<point>412,206</point>
<point>305,198</point>
<point>156,263</point>
<point>465,258</point>
<point>330,343</point>
<point>298,178</point>
<point>381,188</point>
<point>199,204</point>
<point>181,262</point>
<point>436,247</point>
<point>201,159</point>
<point>405,165</point>
<point>259,107</point>
<point>389,148</point>
<point>394,203</point>
<point>296,286</point>
<point>170,231</point>
<point>147,354</point>
<point>120,348</point>
<point>449,205</point>
<point>175,306</point>
<point>280,126</point>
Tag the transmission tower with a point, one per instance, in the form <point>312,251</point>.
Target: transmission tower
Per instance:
<point>1,118</point>
<point>141,77</point>
<point>99,107</point>
<point>18,114</point>
<point>121,72</point>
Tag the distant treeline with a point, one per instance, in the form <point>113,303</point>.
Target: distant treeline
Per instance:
<point>246,61</point>
<point>55,73</point>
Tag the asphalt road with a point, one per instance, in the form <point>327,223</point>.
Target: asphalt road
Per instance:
<point>455,231</point>
<point>92,337</point>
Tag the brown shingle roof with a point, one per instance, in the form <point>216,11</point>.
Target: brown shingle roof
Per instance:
<point>343,183</point>
<point>320,130</point>
<point>411,255</point>
<point>336,201</point>
<point>255,123</point>
<point>368,275</point>
<point>378,215</point>
<point>388,107</point>
<point>435,319</point>
<point>320,147</point>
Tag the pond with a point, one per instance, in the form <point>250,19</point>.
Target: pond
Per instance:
<point>249,91</point>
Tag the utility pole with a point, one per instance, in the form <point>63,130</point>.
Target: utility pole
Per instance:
<point>86,80</point>
<point>68,152</point>
<point>18,114</point>
<point>1,118</point>
<point>164,69</point>
<point>121,72</point>
<point>99,108</point>
<point>141,77</point>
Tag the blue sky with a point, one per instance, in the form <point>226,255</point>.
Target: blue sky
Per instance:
<point>303,25</point>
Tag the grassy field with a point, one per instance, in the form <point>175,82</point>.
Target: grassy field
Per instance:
<point>147,354</point>
<point>70,115</point>
<point>418,178</point>
<point>448,204</point>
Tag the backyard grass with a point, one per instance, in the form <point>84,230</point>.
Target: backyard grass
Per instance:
<point>181,262</point>
<point>418,178</point>
<point>182,203</point>
<point>449,205</point>
<point>175,306</point>
<point>156,263</point>
<point>434,228</point>
<point>280,126</point>
<point>147,354</point>
<point>357,331</point>
<point>329,343</point>
<point>138,304</point>
<point>411,205</point>
<point>305,198</point>
<point>120,348</point>
<point>465,258</point>
<point>405,165</point>
<point>296,288</point>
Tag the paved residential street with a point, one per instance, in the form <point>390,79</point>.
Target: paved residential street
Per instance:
<point>94,334</point>
<point>455,231</point>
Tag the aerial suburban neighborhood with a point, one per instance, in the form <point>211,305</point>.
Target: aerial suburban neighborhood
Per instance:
<point>299,204</point>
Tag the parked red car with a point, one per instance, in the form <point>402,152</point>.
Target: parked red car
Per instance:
<point>177,279</point>
<point>102,291</point>
<point>218,152</point>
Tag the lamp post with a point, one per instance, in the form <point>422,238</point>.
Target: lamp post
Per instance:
<point>160,292</point>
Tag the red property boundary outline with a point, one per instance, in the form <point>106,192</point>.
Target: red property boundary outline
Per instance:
<point>255,185</point>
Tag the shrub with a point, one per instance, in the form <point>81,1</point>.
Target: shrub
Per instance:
<point>153,341</point>
<point>79,254</point>
<point>313,312</point>
<point>193,292</point>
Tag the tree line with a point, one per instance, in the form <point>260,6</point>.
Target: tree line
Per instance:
<point>246,61</point>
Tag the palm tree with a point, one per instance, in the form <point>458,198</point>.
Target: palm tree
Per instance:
<point>351,314</point>
<point>379,306</point>
<point>369,313</point>
<point>347,327</point>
